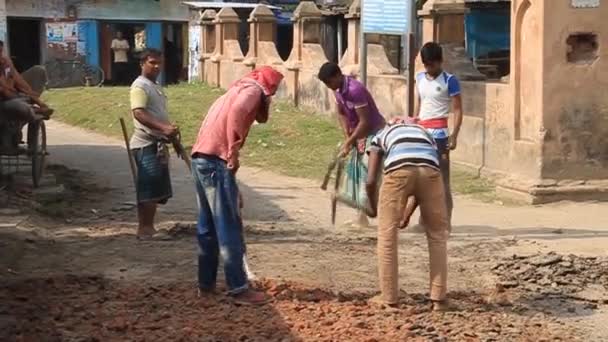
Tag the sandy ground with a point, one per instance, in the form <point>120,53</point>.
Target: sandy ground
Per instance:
<point>292,242</point>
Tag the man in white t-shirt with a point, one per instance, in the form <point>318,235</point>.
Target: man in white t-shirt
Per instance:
<point>439,95</point>
<point>120,69</point>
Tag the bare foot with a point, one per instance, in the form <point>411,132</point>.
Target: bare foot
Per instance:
<point>379,301</point>
<point>146,232</point>
<point>251,298</point>
<point>363,221</point>
<point>443,306</point>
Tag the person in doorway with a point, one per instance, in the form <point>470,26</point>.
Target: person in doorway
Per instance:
<point>18,101</point>
<point>120,67</point>
<point>215,162</point>
<point>151,133</point>
<point>358,114</point>
<point>439,94</point>
<point>408,156</point>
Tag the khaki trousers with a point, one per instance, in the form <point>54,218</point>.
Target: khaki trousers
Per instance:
<point>426,184</point>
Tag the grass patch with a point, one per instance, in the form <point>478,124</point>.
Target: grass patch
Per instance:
<point>466,183</point>
<point>295,142</point>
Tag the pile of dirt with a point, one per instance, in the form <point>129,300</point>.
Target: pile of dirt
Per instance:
<point>91,308</point>
<point>552,274</point>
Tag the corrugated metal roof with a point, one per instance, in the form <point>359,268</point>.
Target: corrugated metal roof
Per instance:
<point>212,4</point>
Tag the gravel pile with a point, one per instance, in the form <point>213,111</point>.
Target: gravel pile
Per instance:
<point>552,274</point>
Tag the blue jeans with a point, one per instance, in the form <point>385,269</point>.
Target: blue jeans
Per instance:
<point>219,227</point>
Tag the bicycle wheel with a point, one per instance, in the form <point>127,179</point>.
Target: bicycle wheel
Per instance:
<point>36,140</point>
<point>92,76</point>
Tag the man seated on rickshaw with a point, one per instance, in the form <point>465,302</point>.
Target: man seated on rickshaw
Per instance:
<point>18,101</point>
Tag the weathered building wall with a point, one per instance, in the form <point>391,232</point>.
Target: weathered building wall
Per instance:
<point>36,8</point>
<point>166,10</point>
<point>534,134</point>
<point>575,101</point>
<point>100,9</point>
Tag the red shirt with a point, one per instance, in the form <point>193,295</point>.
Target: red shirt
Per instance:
<point>228,121</point>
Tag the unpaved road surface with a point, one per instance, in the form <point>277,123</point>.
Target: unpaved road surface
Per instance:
<point>86,278</point>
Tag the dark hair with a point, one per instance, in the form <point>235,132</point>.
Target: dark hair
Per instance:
<point>1,43</point>
<point>147,53</point>
<point>431,52</point>
<point>328,71</point>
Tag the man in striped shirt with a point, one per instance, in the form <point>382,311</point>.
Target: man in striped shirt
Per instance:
<point>411,168</point>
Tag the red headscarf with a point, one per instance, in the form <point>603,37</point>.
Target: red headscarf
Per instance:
<point>266,77</point>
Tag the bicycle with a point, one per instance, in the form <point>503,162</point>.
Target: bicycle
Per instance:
<point>73,73</point>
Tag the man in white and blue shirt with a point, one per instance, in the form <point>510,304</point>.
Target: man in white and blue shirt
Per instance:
<point>439,95</point>
<point>407,155</point>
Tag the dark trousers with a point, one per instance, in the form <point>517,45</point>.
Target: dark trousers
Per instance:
<point>120,73</point>
<point>444,164</point>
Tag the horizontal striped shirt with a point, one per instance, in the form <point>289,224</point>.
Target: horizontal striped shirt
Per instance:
<point>405,144</point>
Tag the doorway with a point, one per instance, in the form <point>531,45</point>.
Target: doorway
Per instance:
<point>175,51</point>
<point>132,33</point>
<point>24,42</point>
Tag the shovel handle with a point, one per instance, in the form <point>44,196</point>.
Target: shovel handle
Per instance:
<point>125,135</point>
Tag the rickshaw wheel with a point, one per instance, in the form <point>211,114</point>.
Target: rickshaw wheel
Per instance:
<point>36,140</point>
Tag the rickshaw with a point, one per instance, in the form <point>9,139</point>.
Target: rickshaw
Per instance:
<point>13,147</point>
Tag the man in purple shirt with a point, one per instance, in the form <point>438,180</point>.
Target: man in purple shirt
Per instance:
<point>357,112</point>
<point>359,116</point>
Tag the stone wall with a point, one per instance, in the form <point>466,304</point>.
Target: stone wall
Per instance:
<point>541,134</point>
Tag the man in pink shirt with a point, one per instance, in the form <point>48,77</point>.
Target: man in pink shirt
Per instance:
<point>215,161</point>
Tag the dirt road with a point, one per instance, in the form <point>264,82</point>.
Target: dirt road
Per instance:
<point>290,240</point>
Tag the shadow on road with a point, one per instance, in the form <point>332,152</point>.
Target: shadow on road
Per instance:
<point>110,167</point>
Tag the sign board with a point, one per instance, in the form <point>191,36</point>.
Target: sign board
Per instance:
<point>585,3</point>
<point>386,16</point>
<point>54,32</point>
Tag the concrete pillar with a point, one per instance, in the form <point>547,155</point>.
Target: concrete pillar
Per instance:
<point>350,59</point>
<point>207,42</point>
<point>227,48</point>
<point>307,53</point>
<point>262,35</point>
<point>377,60</point>
<point>306,30</point>
<point>443,21</point>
